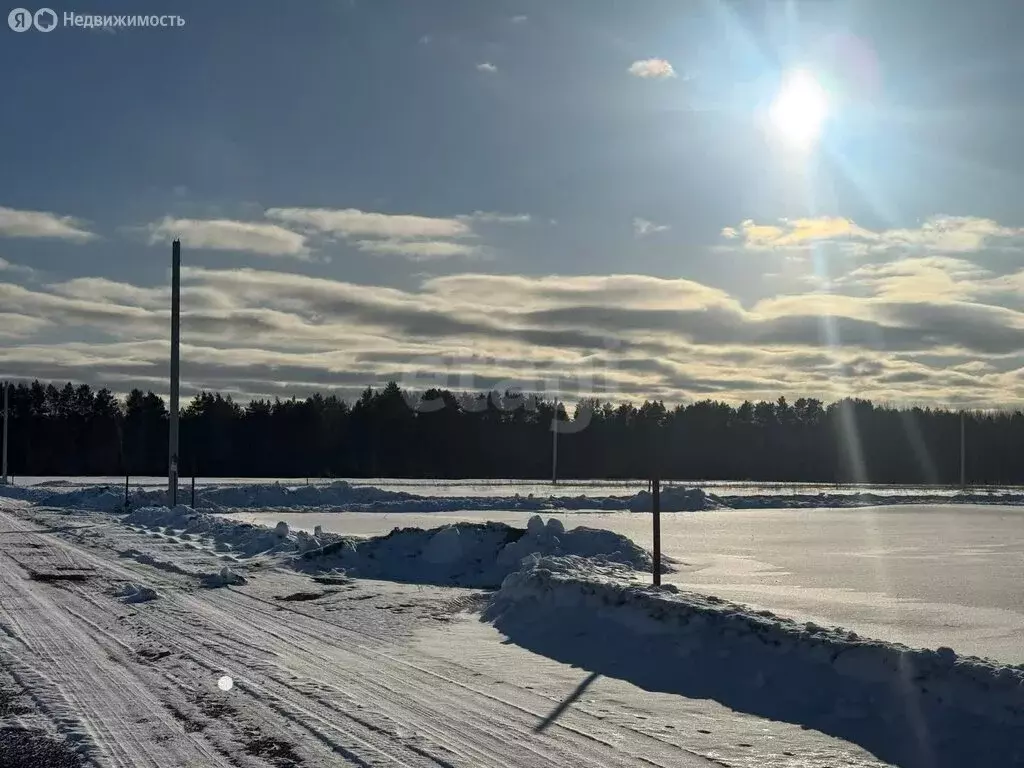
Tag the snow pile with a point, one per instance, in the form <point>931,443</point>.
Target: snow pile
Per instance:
<point>136,593</point>
<point>466,554</point>
<point>470,554</point>
<point>224,578</point>
<point>913,708</point>
<point>675,499</point>
<point>242,538</point>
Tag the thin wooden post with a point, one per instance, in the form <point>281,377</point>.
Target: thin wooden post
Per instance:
<point>554,444</point>
<point>656,509</point>
<point>963,452</point>
<point>126,491</point>
<point>193,489</point>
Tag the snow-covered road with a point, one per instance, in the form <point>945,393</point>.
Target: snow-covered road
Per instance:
<point>363,673</point>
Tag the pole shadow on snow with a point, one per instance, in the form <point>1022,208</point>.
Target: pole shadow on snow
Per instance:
<point>890,719</point>
<point>569,700</point>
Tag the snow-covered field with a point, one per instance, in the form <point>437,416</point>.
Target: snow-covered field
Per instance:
<point>920,575</point>
<point>181,637</point>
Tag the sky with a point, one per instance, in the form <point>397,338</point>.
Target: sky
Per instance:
<point>576,196</point>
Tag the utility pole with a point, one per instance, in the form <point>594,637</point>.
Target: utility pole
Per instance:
<point>656,520</point>
<point>172,453</point>
<point>554,444</point>
<point>963,451</point>
<point>7,392</point>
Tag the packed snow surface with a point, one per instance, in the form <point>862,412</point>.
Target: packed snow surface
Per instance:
<point>915,708</point>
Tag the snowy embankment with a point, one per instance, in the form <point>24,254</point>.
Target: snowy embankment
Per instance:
<point>463,554</point>
<point>914,708</point>
<point>343,496</point>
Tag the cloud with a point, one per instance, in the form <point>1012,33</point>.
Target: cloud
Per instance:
<point>419,238</point>
<point>16,326</point>
<point>486,66</point>
<point>14,223</point>
<point>519,19</point>
<point>795,233</point>
<point>652,68</point>
<point>493,217</point>
<point>252,331</point>
<point>6,266</point>
<point>943,234</point>
<point>933,278</point>
<point>419,250</point>
<point>228,235</point>
<point>351,222</point>
<point>102,289</point>
<point>643,227</point>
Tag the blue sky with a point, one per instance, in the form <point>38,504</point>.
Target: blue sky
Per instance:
<point>493,193</point>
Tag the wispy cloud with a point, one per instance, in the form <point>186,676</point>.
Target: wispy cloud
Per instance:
<point>644,227</point>
<point>419,250</point>
<point>519,19</point>
<point>351,222</point>
<point>15,223</point>
<point>652,68</point>
<point>229,235</point>
<point>486,66</point>
<point>494,217</point>
<point>949,234</point>
<point>6,266</point>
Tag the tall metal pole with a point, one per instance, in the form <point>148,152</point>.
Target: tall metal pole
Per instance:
<point>656,515</point>
<point>7,392</point>
<point>554,444</point>
<point>963,451</point>
<point>172,454</point>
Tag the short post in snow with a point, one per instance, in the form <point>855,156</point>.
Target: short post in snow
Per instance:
<point>656,510</point>
<point>126,492</point>
<point>193,505</point>
<point>554,444</point>
<point>963,452</point>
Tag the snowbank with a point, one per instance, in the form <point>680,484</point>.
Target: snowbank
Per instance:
<point>243,538</point>
<point>471,554</point>
<point>344,497</point>
<point>466,554</point>
<point>914,708</point>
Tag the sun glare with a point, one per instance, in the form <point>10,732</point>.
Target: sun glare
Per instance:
<point>799,109</point>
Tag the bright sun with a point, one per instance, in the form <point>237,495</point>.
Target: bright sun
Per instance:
<point>800,108</point>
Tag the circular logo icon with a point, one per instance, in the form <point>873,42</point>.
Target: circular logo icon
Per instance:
<point>20,20</point>
<point>45,20</point>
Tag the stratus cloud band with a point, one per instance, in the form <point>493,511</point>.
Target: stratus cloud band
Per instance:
<point>297,232</point>
<point>262,332</point>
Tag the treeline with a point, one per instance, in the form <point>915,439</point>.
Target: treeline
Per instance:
<point>73,430</point>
